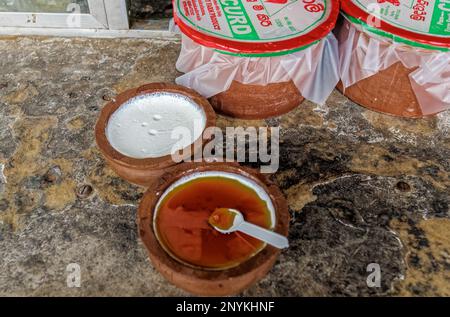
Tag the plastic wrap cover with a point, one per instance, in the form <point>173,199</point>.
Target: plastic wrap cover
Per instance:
<point>314,70</point>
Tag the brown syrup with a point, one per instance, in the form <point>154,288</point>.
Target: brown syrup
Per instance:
<point>183,228</point>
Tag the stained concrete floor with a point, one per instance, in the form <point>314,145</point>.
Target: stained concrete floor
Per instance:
<point>362,187</point>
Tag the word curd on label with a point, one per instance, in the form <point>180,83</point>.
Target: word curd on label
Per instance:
<point>253,20</point>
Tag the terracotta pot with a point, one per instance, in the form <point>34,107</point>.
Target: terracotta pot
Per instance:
<point>208,282</point>
<point>379,92</point>
<point>257,101</point>
<point>144,171</point>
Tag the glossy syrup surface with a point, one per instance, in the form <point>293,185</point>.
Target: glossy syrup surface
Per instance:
<point>182,222</point>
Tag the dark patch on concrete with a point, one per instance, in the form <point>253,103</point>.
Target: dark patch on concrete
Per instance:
<point>3,204</point>
<point>346,228</point>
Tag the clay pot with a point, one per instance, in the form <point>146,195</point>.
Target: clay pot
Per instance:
<point>257,101</point>
<point>207,282</point>
<point>144,171</point>
<point>379,93</point>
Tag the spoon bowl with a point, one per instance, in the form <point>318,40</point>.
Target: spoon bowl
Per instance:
<point>234,221</point>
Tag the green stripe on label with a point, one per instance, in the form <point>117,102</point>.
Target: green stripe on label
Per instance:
<point>440,22</point>
<point>238,20</point>
<point>272,54</point>
<point>393,37</point>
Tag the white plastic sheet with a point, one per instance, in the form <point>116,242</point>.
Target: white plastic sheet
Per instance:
<point>363,55</point>
<point>313,70</point>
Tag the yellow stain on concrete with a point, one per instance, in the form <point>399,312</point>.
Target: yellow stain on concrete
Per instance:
<point>32,133</point>
<point>23,93</point>
<point>369,160</point>
<point>299,195</point>
<point>60,195</point>
<point>433,278</point>
<point>76,123</point>
<point>103,177</point>
<point>422,127</point>
<point>304,114</point>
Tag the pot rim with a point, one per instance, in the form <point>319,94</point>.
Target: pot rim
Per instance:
<point>160,162</point>
<point>236,46</point>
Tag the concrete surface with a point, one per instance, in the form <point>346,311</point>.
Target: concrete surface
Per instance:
<point>362,187</point>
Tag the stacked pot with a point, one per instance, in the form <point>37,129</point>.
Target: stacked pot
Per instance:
<point>395,55</point>
<point>257,59</point>
<point>392,56</point>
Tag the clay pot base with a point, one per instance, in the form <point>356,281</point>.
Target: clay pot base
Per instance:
<point>256,101</point>
<point>388,92</point>
<point>146,171</point>
<point>204,282</point>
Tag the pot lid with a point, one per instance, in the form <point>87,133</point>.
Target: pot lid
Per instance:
<point>422,23</point>
<point>256,26</point>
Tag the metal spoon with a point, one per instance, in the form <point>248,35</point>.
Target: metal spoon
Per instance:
<point>239,224</point>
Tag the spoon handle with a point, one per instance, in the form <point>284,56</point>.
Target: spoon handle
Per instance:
<point>270,237</point>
